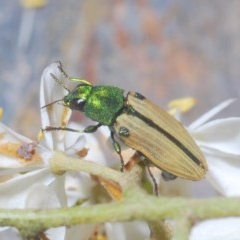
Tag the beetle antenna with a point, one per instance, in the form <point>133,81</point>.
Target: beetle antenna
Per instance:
<point>49,104</point>
<point>80,80</point>
<point>63,72</point>
<point>71,78</point>
<point>59,82</point>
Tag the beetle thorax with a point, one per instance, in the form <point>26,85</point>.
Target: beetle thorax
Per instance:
<point>104,104</point>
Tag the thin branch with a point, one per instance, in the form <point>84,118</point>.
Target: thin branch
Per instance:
<point>61,163</point>
<point>160,230</point>
<point>182,228</point>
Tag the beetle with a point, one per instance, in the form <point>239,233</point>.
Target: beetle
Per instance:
<point>140,124</point>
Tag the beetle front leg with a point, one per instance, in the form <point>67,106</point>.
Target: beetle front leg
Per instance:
<point>89,129</point>
<point>92,128</point>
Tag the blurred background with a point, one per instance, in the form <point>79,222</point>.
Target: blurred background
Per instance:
<point>163,49</point>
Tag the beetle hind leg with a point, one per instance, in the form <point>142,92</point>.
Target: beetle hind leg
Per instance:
<point>145,162</point>
<point>153,179</point>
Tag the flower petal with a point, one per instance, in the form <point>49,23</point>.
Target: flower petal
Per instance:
<point>222,135</point>
<point>216,229</point>
<point>80,232</point>
<point>9,233</point>
<point>54,115</point>
<point>14,150</point>
<point>8,135</point>
<point>41,196</point>
<point>224,174</point>
<point>74,142</point>
<point>210,114</point>
<point>15,191</point>
<point>127,231</point>
<point>56,233</point>
<point>78,186</point>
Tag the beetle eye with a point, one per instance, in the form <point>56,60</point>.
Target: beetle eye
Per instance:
<point>78,104</point>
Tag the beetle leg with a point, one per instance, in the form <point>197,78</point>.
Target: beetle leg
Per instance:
<point>92,128</point>
<point>117,149</point>
<point>145,162</point>
<point>167,176</point>
<point>89,129</point>
<point>153,179</point>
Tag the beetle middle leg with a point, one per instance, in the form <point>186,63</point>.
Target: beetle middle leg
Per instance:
<point>117,149</point>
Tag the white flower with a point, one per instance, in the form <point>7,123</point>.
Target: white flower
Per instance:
<point>26,177</point>
<point>219,141</point>
<point>38,187</point>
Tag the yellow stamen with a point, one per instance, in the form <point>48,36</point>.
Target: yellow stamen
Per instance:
<point>40,136</point>
<point>33,3</point>
<point>181,105</point>
<point>1,113</point>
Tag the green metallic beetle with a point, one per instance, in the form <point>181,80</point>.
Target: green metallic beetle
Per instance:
<point>140,124</point>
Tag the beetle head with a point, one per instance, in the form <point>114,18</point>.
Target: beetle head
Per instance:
<point>77,98</point>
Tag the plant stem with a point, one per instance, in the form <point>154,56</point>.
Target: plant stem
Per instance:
<point>61,163</point>
<point>135,204</point>
<point>147,208</point>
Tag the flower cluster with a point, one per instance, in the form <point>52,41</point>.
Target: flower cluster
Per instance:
<point>27,180</point>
